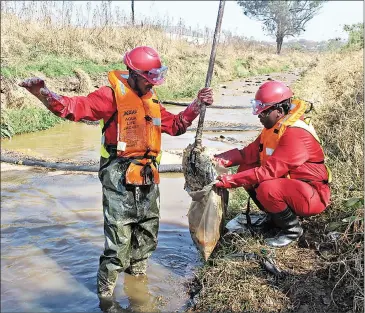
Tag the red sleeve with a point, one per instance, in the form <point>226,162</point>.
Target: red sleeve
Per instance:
<point>173,124</point>
<point>291,152</point>
<point>250,153</point>
<point>95,106</point>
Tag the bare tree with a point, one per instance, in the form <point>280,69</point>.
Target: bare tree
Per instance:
<point>132,12</point>
<point>281,18</point>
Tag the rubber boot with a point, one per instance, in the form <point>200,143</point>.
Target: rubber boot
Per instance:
<point>138,268</point>
<point>106,286</point>
<point>109,306</point>
<point>265,222</point>
<point>290,227</point>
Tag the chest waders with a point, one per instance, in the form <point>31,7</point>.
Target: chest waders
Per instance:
<point>131,221</point>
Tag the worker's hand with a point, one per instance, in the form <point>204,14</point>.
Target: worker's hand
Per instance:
<point>229,158</point>
<point>36,86</point>
<point>231,181</point>
<point>193,110</point>
<point>224,181</point>
<point>222,162</point>
<point>206,95</point>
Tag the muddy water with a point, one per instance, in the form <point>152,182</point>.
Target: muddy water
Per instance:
<point>51,237</point>
<point>81,142</point>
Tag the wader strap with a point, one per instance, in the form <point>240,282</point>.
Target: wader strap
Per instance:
<point>106,125</point>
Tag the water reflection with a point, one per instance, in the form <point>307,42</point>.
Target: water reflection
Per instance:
<point>80,142</point>
<point>52,237</point>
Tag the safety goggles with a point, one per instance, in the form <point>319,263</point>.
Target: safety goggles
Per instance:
<point>258,106</point>
<point>155,76</point>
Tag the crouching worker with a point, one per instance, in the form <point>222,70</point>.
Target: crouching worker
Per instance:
<point>283,170</point>
<point>132,122</point>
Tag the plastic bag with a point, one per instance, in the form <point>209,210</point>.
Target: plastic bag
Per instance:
<point>206,217</point>
<point>239,223</point>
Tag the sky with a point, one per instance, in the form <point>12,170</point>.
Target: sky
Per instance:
<point>326,25</point>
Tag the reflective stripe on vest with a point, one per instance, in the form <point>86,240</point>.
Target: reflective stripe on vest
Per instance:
<point>308,127</point>
<point>103,152</point>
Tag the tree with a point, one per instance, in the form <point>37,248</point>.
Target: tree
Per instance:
<point>356,36</point>
<point>132,5</point>
<point>281,18</point>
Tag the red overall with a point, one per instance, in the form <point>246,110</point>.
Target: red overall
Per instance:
<point>306,193</point>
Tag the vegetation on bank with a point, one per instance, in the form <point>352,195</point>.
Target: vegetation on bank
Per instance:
<point>31,47</point>
<point>26,120</point>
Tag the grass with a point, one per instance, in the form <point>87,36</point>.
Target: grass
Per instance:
<point>26,119</point>
<point>324,273</point>
<point>52,65</point>
<point>31,45</point>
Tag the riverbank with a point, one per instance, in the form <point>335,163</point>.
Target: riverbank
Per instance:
<point>323,271</point>
<point>35,48</point>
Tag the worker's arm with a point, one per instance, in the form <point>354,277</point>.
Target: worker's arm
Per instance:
<point>176,124</point>
<point>247,155</point>
<point>93,107</point>
<point>291,152</point>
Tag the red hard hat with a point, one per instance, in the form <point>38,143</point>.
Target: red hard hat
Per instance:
<point>142,58</point>
<point>269,94</point>
<point>147,63</point>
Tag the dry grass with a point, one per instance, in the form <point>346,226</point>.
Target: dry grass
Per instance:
<point>336,86</point>
<point>38,39</point>
<point>36,43</point>
<point>325,269</point>
<point>231,283</point>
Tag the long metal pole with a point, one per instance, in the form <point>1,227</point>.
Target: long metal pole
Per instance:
<point>199,131</point>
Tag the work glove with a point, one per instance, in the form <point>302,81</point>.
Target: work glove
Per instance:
<point>229,158</point>
<point>205,95</point>
<point>37,87</point>
<point>230,181</point>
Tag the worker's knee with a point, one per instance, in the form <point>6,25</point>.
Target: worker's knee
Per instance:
<point>269,191</point>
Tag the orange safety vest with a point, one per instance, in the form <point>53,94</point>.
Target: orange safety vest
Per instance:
<point>139,130</point>
<point>270,137</point>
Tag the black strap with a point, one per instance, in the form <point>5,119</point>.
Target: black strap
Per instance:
<point>248,217</point>
<point>319,162</point>
<point>308,181</point>
<point>106,125</point>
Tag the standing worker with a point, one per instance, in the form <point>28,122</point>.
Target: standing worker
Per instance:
<point>133,120</point>
<point>283,170</point>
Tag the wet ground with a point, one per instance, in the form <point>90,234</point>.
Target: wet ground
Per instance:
<point>51,221</point>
